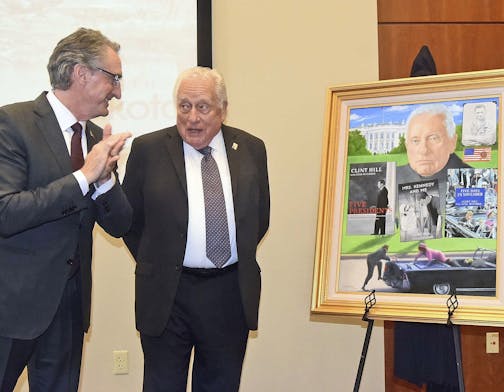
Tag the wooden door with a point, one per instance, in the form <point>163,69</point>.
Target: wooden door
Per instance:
<point>462,35</point>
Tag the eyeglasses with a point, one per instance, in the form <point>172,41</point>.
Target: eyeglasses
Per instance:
<point>116,78</point>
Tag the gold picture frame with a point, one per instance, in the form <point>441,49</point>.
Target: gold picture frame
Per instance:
<point>365,143</point>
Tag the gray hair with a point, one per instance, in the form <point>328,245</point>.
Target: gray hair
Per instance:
<point>434,109</point>
<point>204,73</point>
<point>85,47</point>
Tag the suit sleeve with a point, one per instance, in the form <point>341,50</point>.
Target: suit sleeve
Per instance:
<point>113,211</point>
<point>264,194</point>
<point>22,208</point>
<point>132,185</point>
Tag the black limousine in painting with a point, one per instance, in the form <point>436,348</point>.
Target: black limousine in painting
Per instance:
<point>474,276</point>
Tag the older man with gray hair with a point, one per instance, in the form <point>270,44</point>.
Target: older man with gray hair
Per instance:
<point>200,196</point>
<point>431,140</point>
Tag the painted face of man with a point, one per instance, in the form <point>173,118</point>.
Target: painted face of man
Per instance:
<point>199,115</point>
<point>480,113</point>
<point>428,144</point>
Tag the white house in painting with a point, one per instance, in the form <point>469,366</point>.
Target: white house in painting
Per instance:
<point>381,138</point>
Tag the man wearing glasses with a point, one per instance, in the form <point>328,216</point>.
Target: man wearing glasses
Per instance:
<point>200,197</point>
<point>56,180</point>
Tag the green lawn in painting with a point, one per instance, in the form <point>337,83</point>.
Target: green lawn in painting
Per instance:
<point>363,244</point>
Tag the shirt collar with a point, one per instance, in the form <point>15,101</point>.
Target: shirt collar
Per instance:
<point>217,143</point>
<point>64,116</point>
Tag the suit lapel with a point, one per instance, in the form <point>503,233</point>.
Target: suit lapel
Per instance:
<point>173,143</point>
<point>91,138</point>
<point>231,141</point>
<point>175,148</point>
<point>51,131</point>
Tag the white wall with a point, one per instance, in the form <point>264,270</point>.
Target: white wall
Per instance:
<point>278,58</point>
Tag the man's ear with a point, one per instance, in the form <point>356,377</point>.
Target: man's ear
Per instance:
<point>224,112</point>
<point>80,74</point>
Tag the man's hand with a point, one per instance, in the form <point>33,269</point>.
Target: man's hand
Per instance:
<point>103,157</point>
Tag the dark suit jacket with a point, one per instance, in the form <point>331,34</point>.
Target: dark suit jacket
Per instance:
<point>382,202</point>
<point>44,218</point>
<point>434,208</point>
<point>377,255</point>
<point>155,184</point>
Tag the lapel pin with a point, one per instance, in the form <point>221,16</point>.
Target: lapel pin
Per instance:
<point>234,146</point>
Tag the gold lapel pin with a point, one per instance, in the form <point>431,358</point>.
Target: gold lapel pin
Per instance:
<point>234,146</point>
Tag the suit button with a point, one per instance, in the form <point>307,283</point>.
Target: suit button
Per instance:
<point>177,268</point>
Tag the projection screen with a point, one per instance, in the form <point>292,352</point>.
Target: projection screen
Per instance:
<point>158,39</point>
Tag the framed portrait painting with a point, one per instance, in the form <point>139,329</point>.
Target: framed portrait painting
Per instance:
<point>409,205</point>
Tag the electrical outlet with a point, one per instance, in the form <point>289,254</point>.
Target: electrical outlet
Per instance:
<point>492,342</point>
<point>120,362</point>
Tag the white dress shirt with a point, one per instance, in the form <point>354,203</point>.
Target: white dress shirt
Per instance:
<point>195,254</point>
<point>65,120</point>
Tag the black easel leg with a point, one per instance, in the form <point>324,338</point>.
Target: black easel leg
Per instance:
<point>363,355</point>
<point>458,357</point>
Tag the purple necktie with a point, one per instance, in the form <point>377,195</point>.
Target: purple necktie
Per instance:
<point>76,155</point>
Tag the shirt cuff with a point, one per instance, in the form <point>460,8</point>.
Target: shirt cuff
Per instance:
<point>99,190</point>
<point>104,188</point>
<point>81,179</point>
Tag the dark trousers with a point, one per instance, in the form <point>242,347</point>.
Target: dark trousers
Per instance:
<point>207,316</point>
<point>53,358</point>
<point>379,226</point>
<point>371,264</point>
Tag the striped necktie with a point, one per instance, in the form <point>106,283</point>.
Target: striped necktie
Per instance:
<point>218,248</point>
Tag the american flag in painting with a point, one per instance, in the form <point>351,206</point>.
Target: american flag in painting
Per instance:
<point>477,154</point>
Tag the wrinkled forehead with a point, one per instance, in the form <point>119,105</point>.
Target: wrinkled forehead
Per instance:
<point>197,87</point>
<point>427,122</point>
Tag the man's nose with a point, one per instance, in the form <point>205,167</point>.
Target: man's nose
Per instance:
<point>117,91</point>
<point>193,115</point>
<point>423,146</point>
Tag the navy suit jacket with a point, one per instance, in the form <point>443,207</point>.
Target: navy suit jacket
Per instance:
<point>44,218</point>
<point>156,186</point>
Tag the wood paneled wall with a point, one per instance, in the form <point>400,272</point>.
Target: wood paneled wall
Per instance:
<point>462,35</point>
<point>482,371</point>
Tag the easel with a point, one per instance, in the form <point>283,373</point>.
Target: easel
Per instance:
<point>452,305</point>
<point>369,302</point>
